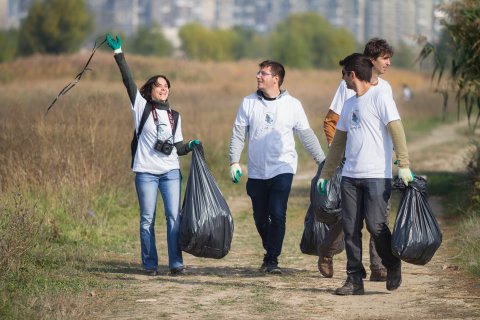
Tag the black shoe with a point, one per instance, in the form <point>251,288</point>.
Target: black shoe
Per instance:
<point>180,271</point>
<point>394,277</point>
<point>151,272</point>
<point>350,288</point>
<point>263,267</point>
<point>272,268</point>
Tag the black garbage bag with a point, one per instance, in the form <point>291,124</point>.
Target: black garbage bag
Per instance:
<point>206,226</point>
<point>327,207</point>
<point>314,235</point>
<point>416,235</point>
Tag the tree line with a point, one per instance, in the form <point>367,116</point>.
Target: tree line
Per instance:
<point>303,40</point>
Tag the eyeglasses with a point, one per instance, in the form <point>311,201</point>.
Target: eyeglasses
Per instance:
<point>264,73</point>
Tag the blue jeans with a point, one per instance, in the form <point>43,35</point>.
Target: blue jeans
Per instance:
<point>366,199</point>
<point>169,186</point>
<point>269,201</point>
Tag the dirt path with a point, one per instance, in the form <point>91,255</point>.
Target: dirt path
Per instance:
<point>232,288</point>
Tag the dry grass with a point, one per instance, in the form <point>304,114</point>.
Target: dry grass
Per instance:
<point>84,140</point>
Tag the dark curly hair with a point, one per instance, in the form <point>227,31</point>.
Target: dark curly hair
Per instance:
<point>377,47</point>
<point>146,89</point>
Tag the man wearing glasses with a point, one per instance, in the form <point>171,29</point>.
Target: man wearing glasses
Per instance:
<point>380,53</point>
<point>268,118</point>
<point>368,130</point>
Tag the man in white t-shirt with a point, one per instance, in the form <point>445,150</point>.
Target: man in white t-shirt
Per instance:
<point>380,53</point>
<point>368,129</point>
<point>269,118</point>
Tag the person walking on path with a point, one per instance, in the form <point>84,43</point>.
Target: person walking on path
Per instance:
<point>380,53</point>
<point>368,130</point>
<point>269,118</point>
<point>155,161</point>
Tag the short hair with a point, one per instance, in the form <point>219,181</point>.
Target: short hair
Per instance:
<point>146,89</point>
<point>377,47</point>
<point>360,64</point>
<point>277,69</point>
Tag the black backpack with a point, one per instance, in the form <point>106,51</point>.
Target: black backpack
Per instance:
<point>146,112</point>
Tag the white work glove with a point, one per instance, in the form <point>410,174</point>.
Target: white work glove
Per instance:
<point>406,175</point>
<point>235,172</point>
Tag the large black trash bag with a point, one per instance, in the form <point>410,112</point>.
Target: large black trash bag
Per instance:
<point>206,227</point>
<point>314,234</point>
<point>327,206</point>
<point>416,234</point>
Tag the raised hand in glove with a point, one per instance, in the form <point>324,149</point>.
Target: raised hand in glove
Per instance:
<point>193,142</point>
<point>406,175</point>
<point>235,172</point>
<point>321,185</point>
<point>115,45</point>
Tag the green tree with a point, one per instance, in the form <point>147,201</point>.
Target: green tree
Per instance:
<point>203,44</point>
<point>463,64</point>
<point>308,40</point>
<point>54,26</point>
<point>8,45</point>
<point>150,41</point>
<point>248,44</point>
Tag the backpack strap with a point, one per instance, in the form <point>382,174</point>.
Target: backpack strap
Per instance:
<point>134,143</point>
<point>175,122</point>
<point>146,113</point>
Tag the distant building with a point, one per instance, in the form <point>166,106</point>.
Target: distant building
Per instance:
<point>395,20</point>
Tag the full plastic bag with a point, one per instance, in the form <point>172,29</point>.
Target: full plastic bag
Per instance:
<point>206,226</point>
<point>314,235</point>
<point>416,235</point>
<point>327,206</point>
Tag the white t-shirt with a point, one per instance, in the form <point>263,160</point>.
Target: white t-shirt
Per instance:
<point>343,93</point>
<point>271,143</point>
<point>369,145</point>
<point>147,159</point>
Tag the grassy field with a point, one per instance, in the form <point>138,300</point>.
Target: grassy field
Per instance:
<point>68,204</point>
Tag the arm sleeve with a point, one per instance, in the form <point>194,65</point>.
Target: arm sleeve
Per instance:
<point>330,125</point>
<point>182,148</point>
<point>126,76</point>
<point>335,154</point>
<point>311,144</point>
<point>399,142</point>
<point>237,142</point>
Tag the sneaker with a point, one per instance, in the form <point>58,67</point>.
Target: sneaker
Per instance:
<point>151,272</point>
<point>350,288</point>
<point>272,268</point>
<point>394,277</point>
<point>180,271</point>
<point>379,275</point>
<point>325,266</point>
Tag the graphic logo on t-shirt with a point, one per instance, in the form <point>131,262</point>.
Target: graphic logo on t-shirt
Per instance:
<point>354,120</point>
<point>269,117</point>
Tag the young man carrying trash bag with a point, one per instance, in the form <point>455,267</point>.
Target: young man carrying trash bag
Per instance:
<point>368,130</point>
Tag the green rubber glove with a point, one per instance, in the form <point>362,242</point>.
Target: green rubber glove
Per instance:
<point>321,184</point>
<point>114,44</point>
<point>235,172</point>
<point>192,142</point>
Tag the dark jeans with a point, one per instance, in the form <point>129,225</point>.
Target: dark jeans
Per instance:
<point>366,199</point>
<point>269,201</point>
